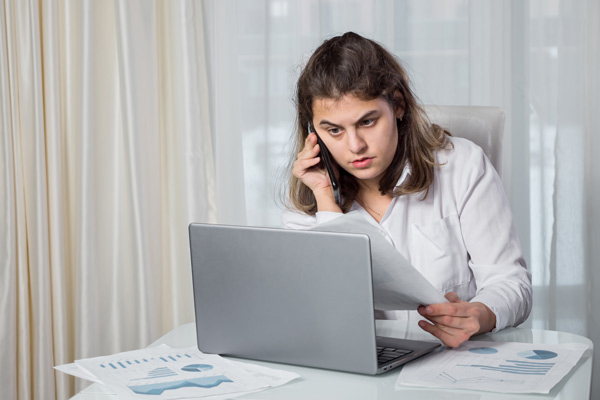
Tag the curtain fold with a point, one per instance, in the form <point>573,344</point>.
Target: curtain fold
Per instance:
<point>11,209</point>
<point>187,155</point>
<point>106,157</point>
<point>26,248</point>
<point>62,316</point>
<point>137,60</point>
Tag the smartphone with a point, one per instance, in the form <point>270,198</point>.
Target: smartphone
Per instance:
<point>325,157</point>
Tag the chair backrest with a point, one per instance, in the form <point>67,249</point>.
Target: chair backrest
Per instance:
<point>482,125</point>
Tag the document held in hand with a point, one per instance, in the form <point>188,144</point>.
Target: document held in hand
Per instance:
<point>397,285</point>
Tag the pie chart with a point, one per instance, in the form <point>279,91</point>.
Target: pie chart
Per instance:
<point>483,350</point>
<point>197,368</point>
<point>538,354</point>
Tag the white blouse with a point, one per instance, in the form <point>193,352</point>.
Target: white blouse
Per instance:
<point>461,237</point>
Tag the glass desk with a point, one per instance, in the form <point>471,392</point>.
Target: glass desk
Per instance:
<point>323,384</point>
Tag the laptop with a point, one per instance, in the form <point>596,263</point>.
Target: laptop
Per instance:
<point>291,296</point>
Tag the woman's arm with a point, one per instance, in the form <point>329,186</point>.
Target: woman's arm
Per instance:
<point>504,292</point>
<point>495,255</point>
<point>297,220</point>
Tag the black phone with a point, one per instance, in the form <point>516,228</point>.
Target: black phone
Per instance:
<point>325,157</point>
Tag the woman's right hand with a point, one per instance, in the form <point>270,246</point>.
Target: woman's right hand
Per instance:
<point>306,169</point>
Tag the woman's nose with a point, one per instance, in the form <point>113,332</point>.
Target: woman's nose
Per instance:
<point>356,144</point>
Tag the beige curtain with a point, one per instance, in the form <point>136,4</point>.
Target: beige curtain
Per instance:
<point>105,158</point>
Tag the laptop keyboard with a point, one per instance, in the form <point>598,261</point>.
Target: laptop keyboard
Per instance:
<point>389,354</point>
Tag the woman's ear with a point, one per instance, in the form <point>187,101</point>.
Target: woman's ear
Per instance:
<point>399,104</point>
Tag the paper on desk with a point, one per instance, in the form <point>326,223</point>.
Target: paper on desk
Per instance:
<point>167,373</point>
<point>73,369</point>
<point>397,285</point>
<point>494,366</point>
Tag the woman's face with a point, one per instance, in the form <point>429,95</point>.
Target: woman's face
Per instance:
<point>361,135</point>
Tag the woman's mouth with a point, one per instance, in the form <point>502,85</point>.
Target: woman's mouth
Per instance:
<point>362,162</point>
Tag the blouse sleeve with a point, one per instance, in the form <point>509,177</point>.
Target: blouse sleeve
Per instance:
<point>296,220</point>
<point>495,255</point>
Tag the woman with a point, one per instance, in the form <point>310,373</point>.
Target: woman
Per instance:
<point>435,197</point>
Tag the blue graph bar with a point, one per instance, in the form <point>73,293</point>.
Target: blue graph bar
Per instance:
<point>158,376</point>
<point>516,367</point>
<point>159,369</point>
<point>164,359</point>
<point>162,373</point>
<point>121,364</point>
<point>188,356</point>
<point>512,371</point>
<point>128,362</point>
<point>144,360</point>
<point>137,361</point>
<point>111,364</point>
<point>178,356</point>
<point>530,363</point>
<point>102,365</point>
<point>171,357</point>
<point>544,367</point>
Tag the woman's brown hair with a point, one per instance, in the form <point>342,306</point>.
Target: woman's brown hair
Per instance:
<point>352,64</point>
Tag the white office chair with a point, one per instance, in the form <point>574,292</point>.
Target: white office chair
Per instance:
<point>482,125</point>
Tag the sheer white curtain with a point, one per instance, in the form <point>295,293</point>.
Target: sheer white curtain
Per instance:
<point>537,59</point>
<point>564,128</point>
<point>106,156</point>
<point>458,52</point>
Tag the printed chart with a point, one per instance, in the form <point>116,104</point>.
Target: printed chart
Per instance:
<point>494,366</point>
<point>170,373</point>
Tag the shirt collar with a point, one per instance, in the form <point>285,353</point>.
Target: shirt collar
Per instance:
<point>404,175</point>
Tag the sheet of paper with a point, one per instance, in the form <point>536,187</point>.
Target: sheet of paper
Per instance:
<point>494,366</point>
<point>73,369</point>
<point>168,373</point>
<point>397,285</point>
<point>273,377</point>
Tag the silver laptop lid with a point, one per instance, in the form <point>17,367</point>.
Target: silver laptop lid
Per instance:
<point>297,297</point>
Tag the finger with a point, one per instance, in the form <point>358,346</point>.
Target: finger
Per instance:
<point>449,336</point>
<point>310,141</point>
<point>308,152</point>
<point>462,309</point>
<point>452,297</point>
<point>442,333</point>
<point>468,324</point>
<point>308,163</point>
<point>312,151</point>
<point>301,166</point>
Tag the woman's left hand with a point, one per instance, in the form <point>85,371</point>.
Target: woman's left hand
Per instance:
<point>456,321</point>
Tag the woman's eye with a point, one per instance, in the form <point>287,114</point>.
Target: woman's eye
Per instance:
<point>334,131</point>
<point>368,122</point>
